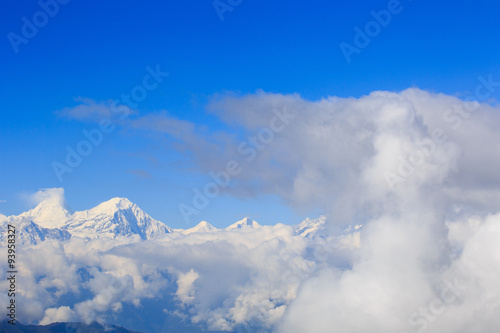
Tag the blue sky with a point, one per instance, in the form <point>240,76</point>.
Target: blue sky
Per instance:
<point>100,51</point>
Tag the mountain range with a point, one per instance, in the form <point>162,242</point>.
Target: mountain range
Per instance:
<point>61,328</point>
<point>52,219</point>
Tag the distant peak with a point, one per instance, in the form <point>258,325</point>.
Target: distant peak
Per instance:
<point>49,211</point>
<point>244,223</point>
<point>203,223</point>
<point>119,200</point>
<point>203,226</point>
<point>119,203</point>
<point>52,203</point>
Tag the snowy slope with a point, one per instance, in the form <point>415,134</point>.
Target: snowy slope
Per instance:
<point>203,226</point>
<point>311,227</point>
<point>246,223</point>
<point>49,214</point>
<point>52,219</point>
<point>116,217</point>
<point>113,218</point>
<point>29,233</point>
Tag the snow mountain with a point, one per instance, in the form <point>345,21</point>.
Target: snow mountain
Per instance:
<point>246,223</point>
<point>49,214</point>
<point>203,226</point>
<point>29,233</point>
<point>311,227</point>
<point>51,219</point>
<point>116,217</point>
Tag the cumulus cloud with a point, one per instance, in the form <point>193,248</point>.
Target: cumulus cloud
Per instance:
<point>185,289</point>
<point>418,170</point>
<point>218,279</point>
<point>403,282</point>
<point>341,155</point>
<point>342,152</point>
<point>58,315</point>
<point>414,167</point>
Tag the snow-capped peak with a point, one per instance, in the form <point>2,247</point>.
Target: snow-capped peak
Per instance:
<point>311,227</point>
<point>110,208</point>
<point>113,205</point>
<point>30,233</point>
<point>203,226</point>
<point>115,217</point>
<point>49,213</point>
<point>246,223</point>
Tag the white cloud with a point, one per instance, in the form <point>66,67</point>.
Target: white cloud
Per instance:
<point>222,279</point>
<point>61,314</point>
<point>341,154</point>
<point>396,268</point>
<point>53,195</point>
<point>185,288</point>
<point>89,110</point>
<point>427,256</point>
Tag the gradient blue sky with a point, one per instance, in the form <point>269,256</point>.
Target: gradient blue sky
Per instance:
<point>99,50</point>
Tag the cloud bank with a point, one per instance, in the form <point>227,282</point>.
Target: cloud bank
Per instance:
<point>418,170</point>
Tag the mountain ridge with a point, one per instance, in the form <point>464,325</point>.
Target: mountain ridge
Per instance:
<point>117,217</point>
<point>203,226</point>
<point>62,327</point>
<point>246,223</point>
<point>112,218</point>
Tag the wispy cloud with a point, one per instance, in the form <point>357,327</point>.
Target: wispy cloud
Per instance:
<point>89,110</point>
<point>55,195</point>
<point>141,173</point>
